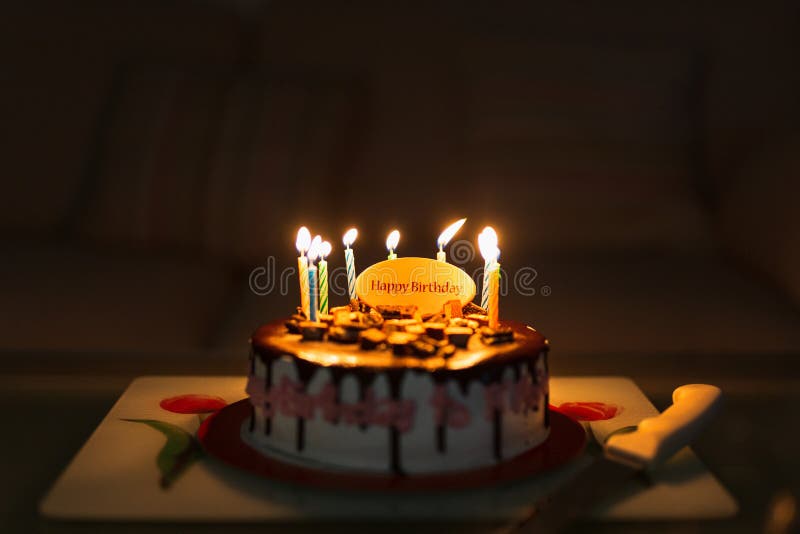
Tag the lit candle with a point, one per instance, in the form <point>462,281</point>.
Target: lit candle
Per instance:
<point>302,244</point>
<point>324,250</point>
<point>391,243</point>
<point>494,295</point>
<point>313,292</point>
<point>487,242</point>
<point>446,236</point>
<point>348,239</point>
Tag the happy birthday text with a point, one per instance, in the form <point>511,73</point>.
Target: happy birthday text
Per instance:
<point>415,287</point>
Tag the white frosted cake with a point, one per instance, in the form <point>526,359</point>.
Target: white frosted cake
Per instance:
<point>382,391</point>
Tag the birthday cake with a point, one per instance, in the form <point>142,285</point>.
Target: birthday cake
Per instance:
<point>408,379</point>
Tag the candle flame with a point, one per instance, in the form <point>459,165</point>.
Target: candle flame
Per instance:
<point>314,248</point>
<point>303,240</point>
<point>325,249</point>
<point>350,237</point>
<point>450,231</point>
<point>393,240</point>
<point>487,242</point>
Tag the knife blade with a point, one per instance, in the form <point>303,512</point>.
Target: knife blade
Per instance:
<point>625,456</point>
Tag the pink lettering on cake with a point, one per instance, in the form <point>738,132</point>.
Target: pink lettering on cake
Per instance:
<point>518,397</point>
<point>448,411</point>
<point>288,398</point>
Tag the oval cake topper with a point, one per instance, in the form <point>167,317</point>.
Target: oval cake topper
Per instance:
<point>423,282</point>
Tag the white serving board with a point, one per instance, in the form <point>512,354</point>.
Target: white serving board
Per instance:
<point>114,476</point>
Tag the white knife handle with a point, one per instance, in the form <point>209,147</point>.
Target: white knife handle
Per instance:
<point>658,438</point>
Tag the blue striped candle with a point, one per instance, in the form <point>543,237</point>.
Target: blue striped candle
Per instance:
<point>487,270</point>
<point>313,293</point>
<point>487,243</point>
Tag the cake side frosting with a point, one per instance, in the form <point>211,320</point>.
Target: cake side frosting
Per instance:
<point>334,405</point>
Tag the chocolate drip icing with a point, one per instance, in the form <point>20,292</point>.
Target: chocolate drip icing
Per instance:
<point>545,354</point>
<point>497,435</point>
<point>364,383</point>
<point>395,377</point>
<point>252,426</point>
<point>305,372</point>
<point>441,438</point>
<point>493,375</point>
<point>441,427</point>
<point>267,385</point>
<point>337,374</point>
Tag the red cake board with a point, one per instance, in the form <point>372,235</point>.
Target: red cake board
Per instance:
<point>220,435</point>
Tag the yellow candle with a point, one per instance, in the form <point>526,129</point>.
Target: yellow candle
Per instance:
<point>494,295</point>
<point>487,241</point>
<point>303,243</point>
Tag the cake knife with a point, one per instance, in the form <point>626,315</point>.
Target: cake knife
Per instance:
<point>625,456</point>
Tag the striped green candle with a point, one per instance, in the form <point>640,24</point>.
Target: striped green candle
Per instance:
<point>325,249</point>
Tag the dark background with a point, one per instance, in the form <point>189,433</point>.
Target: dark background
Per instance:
<point>642,158</point>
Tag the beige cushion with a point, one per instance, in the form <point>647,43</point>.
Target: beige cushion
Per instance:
<point>57,298</point>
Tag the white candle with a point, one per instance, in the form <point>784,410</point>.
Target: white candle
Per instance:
<point>302,244</point>
<point>391,243</point>
<point>313,293</point>
<point>324,251</point>
<point>348,239</point>
<point>446,236</point>
<point>487,242</point>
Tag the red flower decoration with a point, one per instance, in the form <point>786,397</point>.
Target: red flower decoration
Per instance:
<point>588,411</point>
<point>193,404</point>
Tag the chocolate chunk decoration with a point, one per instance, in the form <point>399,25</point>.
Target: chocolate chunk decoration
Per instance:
<point>422,348</point>
<point>345,334</point>
<point>293,326</point>
<point>479,318</point>
<point>472,308</point>
<point>401,343</point>
<point>415,329</point>
<point>313,330</point>
<point>435,330</point>
<point>397,312</point>
<point>447,351</point>
<point>372,338</point>
<point>495,336</point>
<point>458,335</point>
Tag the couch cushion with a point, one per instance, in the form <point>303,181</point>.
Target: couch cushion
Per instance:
<point>58,298</point>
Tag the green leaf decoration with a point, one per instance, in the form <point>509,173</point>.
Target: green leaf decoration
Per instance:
<point>179,452</point>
